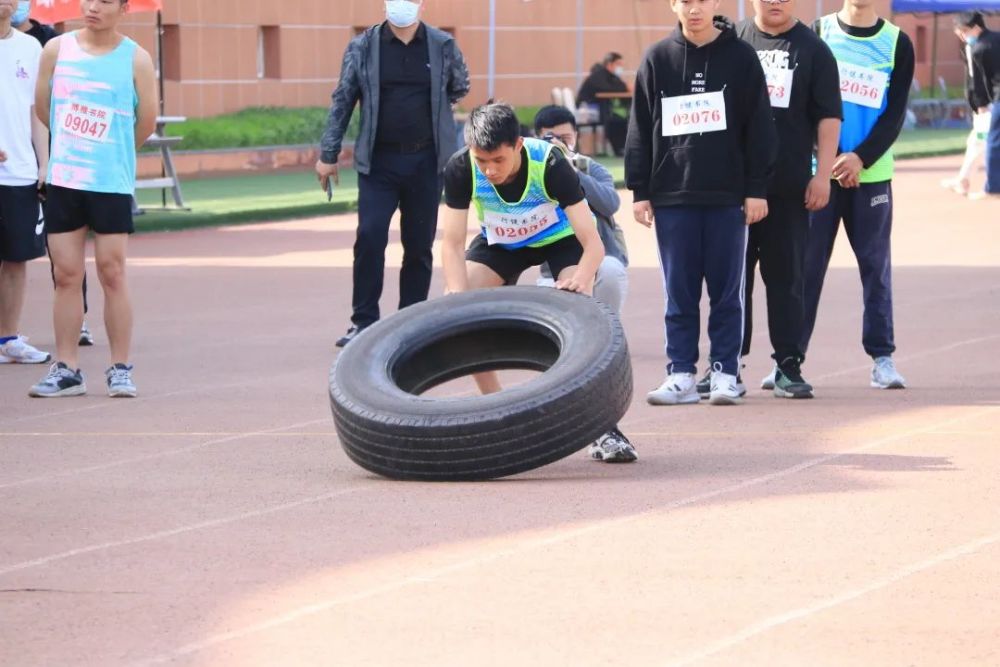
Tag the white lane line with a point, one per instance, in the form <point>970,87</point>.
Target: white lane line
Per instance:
<point>158,455</point>
<point>432,575</point>
<point>163,534</point>
<point>915,355</point>
<point>797,614</point>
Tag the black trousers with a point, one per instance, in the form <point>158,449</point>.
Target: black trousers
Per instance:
<point>408,182</point>
<point>778,244</point>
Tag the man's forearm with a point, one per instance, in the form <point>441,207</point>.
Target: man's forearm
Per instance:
<point>456,278</point>
<point>827,138</point>
<point>40,141</point>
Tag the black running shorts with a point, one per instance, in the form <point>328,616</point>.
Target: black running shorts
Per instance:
<point>510,264</point>
<point>22,233</point>
<point>67,210</point>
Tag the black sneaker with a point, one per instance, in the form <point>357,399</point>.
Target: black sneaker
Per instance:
<point>60,381</point>
<point>788,381</point>
<point>613,447</point>
<point>704,386</point>
<point>351,334</point>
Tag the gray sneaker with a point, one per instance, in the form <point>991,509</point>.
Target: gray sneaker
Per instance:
<point>768,381</point>
<point>120,383</point>
<point>86,338</point>
<point>60,381</point>
<point>885,375</point>
<point>613,447</point>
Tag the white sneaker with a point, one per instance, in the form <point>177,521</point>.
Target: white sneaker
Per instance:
<point>18,351</point>
<point>677,389</point>
<point>768,382</point>
<point>885,375</point>
<point>725,389</point>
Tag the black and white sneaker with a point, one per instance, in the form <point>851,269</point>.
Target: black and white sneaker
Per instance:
<point>704,386</point>
<point>60,381</point>
<point>351,334</point>
<point>613,447</point>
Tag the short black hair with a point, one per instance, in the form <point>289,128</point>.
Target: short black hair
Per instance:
<point>553,115</point>
<point>612,57</point>
<point>492,125</point>
<point>970,20</point>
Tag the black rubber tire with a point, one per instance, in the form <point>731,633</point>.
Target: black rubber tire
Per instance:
<point>386,427</point>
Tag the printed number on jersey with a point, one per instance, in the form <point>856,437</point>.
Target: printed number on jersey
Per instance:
<point>862,85</point>
<point>85,121</point>
<point>694,114</point>
<point>508,228</point>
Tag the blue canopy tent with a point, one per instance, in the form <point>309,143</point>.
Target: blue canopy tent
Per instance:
<point>943,6</point>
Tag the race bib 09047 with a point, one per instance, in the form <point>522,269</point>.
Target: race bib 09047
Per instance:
<point>862,85</point>
<point>86,121</point>
<point>779,85</point>
<point>513,227</point>
<point>694,114</point>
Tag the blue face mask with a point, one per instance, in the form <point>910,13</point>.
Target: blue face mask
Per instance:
<point>401,13</point>
<point>20,15</point>
<point>971,40</point>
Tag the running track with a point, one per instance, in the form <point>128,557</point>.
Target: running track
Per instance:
<point>215,520</point>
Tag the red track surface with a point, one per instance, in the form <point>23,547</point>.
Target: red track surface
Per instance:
<point>215,520</point>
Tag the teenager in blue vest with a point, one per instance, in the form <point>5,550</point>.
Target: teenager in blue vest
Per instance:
<point>97,94</point>
<point>531,210</point>
<point>876,62</point>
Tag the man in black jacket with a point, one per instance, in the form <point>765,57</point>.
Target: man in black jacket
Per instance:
<point>406,75</point>
<point>701,143</point>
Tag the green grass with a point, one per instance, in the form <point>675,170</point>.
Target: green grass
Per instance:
<point>283,196</point>
<point>251,198</point>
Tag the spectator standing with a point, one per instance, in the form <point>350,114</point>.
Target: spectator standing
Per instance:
<point>406,75</point>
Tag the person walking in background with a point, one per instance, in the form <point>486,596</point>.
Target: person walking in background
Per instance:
<point>557,125</point>
<point>406,75</point>
<point>977,93</point>
<point>701,144</point>
<point>804,88</point>
<point>984,54</point>
<point>24,150</point>
<point>607,77</point>
<point>876,63</point>
<point>97,94</point>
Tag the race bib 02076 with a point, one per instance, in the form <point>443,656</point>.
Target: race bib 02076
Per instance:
<point>862,85</point>
<point>510,228</point>
<point>779,85</point>
<point>86,121</point>
<point>694,114</point>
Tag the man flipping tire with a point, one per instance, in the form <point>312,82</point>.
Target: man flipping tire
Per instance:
<point>531,209</point>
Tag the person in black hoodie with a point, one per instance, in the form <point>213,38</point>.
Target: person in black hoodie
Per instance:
<point>701,144</point>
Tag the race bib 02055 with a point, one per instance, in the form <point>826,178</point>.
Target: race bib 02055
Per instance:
<point>516,227</point>
<point>862,85</point>
<point>86,121</point>
<point>694,114</point>
<point>779,85</point>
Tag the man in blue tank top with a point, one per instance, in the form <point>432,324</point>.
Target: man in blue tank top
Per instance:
<point>531,210</point>
<point>97,94</point>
